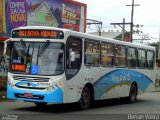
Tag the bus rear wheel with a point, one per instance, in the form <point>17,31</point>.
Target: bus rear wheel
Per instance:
<point>40,104</point>
<point>85,99</point>
<point>132,94</point>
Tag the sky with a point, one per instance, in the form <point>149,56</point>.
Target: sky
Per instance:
<point>113,11</point>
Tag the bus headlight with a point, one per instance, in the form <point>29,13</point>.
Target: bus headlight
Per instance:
<point>52,87</point>
<point>10,84</point>
<point>49,89</point>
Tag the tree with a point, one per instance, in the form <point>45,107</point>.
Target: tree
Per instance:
<point>156,45</point>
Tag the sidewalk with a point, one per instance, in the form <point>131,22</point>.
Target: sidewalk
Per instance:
<point>156,89</point>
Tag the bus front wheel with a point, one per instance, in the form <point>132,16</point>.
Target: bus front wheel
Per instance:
<point>85,99</point>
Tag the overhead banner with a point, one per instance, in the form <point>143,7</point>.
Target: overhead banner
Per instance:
<point>54,13</point>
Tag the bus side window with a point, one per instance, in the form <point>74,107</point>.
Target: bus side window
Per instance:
<point>107,54</point>
<point>150,59</point>
<point>120,56</point>
<point>131,57</point>
<point>92,53</point>
<point>141,61</point>
<point>74,45</point>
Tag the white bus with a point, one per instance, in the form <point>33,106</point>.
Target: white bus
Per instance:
<point>51,65</point>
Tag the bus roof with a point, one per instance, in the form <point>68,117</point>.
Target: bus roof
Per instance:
<point>91,37</point>
<point>40,27</point>
<point>111,40</point>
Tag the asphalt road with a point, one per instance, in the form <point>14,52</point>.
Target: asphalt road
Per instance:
<point>147,106</point>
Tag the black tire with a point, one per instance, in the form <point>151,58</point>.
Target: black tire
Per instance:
<point>40,104</point>
<point>132,94</point>
<point>85,99</point>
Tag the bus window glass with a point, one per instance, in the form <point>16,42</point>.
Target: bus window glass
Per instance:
<point>73,45</point>
<point>30,58</point>
<point>91,53</point>
<point>120,56</point>
<point>141,59</point>
<point>150,59</point>
<point>131,57</point>
<point>107,54</point>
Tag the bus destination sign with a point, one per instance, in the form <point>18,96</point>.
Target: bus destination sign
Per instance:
<point>18,67</point>
<point>27,33</point>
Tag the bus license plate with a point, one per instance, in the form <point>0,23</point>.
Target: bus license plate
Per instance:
<point>28,95</point>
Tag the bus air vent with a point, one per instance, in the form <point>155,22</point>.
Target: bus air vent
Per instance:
<point>30,78</point>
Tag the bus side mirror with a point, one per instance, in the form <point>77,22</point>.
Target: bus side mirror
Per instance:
<point>5,46</point>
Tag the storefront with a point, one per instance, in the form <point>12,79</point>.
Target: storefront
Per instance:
<point>3,66</point>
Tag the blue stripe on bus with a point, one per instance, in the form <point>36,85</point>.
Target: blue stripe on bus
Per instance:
<point>26,82</point>
<point>55,96</point>
<point>120,77</point>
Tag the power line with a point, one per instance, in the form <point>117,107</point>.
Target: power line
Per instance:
<point>123,27</point>
<point>98,24</point>
<point>130,23</point>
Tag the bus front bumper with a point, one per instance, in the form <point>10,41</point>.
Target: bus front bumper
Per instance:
<point>55,96</point>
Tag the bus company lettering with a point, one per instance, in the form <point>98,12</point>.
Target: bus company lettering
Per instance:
<point>121,77</point>
<point>17,67</point>
<point>36,33</point>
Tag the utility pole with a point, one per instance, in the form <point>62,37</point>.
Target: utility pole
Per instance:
<point>131,24</point>
<point>122,25</point>
<point>123,29</point>
<point>159,47</point>
<point>143,37</point>
<point>98,24</point>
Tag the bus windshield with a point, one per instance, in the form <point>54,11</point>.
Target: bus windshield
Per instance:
<point>39,58</point>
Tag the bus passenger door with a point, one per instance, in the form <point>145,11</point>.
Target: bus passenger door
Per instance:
<point>73,65</point>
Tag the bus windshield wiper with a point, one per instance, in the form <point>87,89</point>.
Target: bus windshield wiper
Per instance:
<point>24,47</point>
<point>43,48</point>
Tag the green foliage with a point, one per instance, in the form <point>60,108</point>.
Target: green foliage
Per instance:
<point>156,45</point>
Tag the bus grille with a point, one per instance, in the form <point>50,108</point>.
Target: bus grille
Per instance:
<point>30,78</point>
<point>35,88</point>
